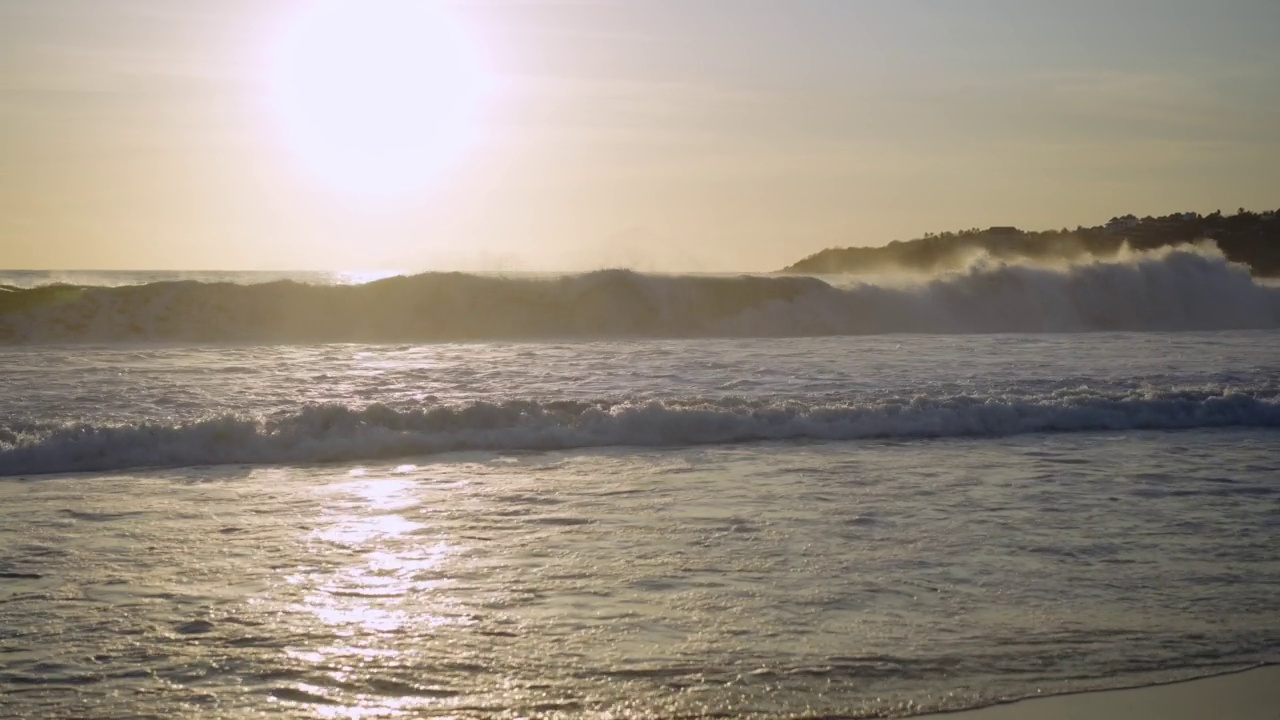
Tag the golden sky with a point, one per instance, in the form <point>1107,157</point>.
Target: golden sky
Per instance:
<point>700,135</point>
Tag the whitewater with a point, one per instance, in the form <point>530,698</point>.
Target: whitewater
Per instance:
<point>1182,288</point>
<point>617,494</point>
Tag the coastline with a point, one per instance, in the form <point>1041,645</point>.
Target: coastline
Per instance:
<point>1252,694</point>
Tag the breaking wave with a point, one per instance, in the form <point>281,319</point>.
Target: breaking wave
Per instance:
<point>1184,288</point>
<point>327,433</point>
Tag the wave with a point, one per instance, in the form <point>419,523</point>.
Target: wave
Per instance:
<point>1185,288</point>
<point>328,433</point>
<point>27,279</point>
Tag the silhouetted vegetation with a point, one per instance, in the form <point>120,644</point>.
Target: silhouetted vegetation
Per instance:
<point>1246,237</point>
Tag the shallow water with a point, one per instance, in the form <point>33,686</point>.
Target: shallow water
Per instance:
<point>762,528</point>
<point>763,580</point>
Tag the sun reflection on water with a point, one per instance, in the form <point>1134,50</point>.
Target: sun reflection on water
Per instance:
<point>380,589</point>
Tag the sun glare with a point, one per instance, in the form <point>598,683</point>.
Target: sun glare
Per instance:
<point>375,96</point>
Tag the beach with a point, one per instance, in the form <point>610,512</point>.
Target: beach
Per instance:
<point>639,360</point>
<point>757,529</point>
<point>225,498</point>
<point>1248,695</point>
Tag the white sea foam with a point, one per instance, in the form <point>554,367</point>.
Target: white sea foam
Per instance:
<point>326,433</point>
<point>1185,288</point>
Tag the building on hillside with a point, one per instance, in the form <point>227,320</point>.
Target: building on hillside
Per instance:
<point>1123,223</point>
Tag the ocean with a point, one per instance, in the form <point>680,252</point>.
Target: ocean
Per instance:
<point>615,494</point>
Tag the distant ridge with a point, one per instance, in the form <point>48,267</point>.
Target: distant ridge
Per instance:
<point>1246,237</point>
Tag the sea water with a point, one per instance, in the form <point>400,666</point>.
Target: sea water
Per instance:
<point>632,526</point>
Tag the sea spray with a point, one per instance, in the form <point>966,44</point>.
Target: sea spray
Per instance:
<point>1185,288</point>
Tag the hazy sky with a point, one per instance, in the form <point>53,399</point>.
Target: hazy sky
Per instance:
<point>694,135</point>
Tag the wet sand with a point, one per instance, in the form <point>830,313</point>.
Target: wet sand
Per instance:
<point>1249,695</point>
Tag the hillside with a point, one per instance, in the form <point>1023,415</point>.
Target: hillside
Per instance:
<point>1246,237</point>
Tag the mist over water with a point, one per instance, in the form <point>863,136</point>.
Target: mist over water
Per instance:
<point>1184,288</point>
<point>27,279</point>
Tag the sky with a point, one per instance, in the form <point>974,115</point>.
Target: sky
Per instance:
<point>699,135</point>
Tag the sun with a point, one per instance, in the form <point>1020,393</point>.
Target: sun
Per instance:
<point>375,96</point>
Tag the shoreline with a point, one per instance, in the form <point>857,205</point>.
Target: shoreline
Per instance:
<point>1249,694</point>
